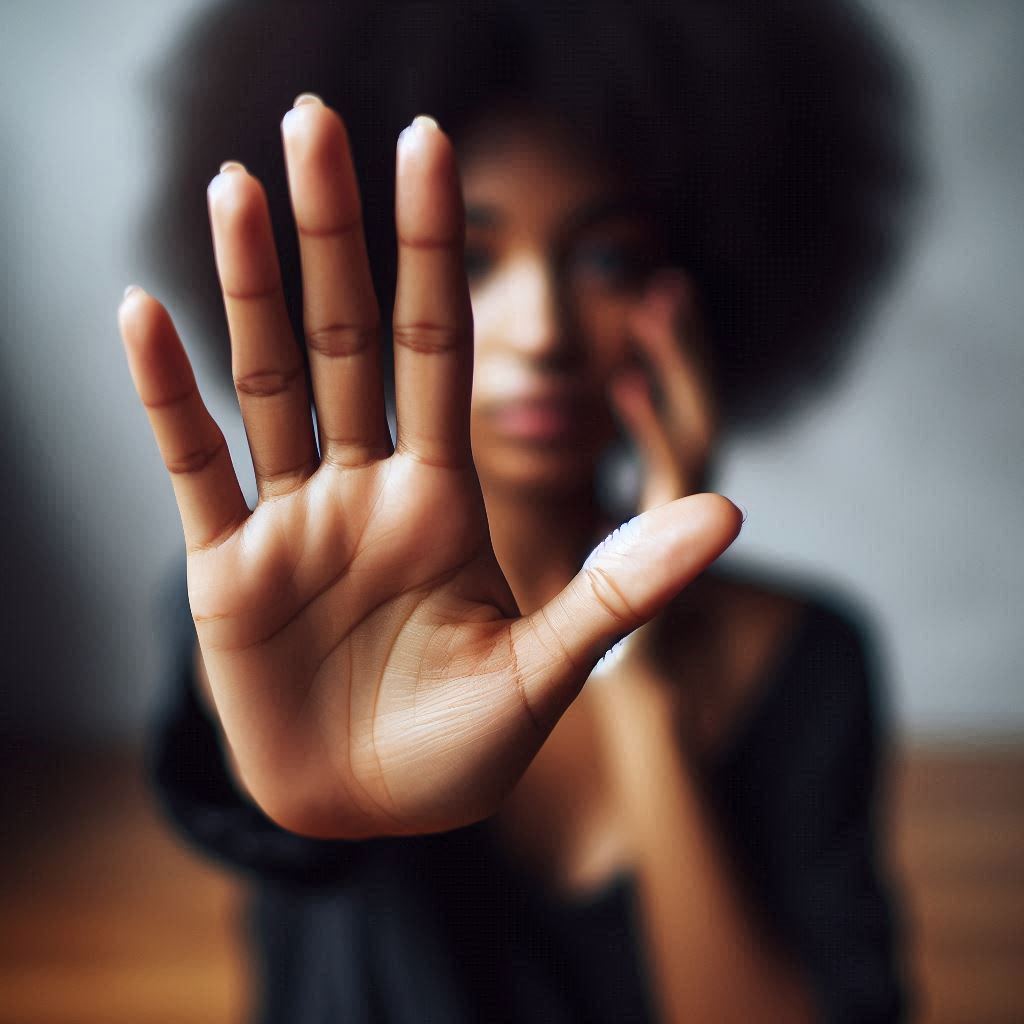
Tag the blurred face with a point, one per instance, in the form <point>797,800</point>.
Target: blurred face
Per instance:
<point>557,259</point>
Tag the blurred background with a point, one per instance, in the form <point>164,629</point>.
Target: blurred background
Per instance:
<point>902,489</point>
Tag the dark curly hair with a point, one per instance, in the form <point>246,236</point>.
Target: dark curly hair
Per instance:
<point>771,137</point>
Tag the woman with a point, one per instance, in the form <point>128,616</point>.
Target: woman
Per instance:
<point>385,718</point>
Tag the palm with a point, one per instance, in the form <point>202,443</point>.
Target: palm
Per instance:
<point>366,656</point>
<point>363,620</point>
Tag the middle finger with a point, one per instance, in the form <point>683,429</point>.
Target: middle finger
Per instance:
<point>342,319</point>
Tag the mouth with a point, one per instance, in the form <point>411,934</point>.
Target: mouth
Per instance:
<point>537,420</point>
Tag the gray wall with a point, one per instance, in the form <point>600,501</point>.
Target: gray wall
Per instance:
<point>903,487</point>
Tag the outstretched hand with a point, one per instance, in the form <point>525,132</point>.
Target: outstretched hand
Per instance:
<point>369,665</point>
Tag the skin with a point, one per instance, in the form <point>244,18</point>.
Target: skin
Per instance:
<point>567,303</point>
<point>368,683</point>
<point>571,319</point>
<point>571,316</point>
<point>568,298</point>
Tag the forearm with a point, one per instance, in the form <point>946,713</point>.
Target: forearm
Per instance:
<point>710,959</point>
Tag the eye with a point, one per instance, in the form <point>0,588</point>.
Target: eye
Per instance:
<point>609,264</point>
<point>479,261</point>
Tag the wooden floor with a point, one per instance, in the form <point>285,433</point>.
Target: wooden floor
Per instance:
<point>107,919</point>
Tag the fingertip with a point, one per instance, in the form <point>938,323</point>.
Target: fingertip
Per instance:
<point>717,508</point>
<point>309,115</point>
<point>132,294</point>
<point>744,515</point>
<point>321,174</point>
<point>422,144</point>
<point>669,295</point>
<point>237,203</point>
<point>739,517</point>
<point>232,188</point>
<point>133,305</point>
<point>243,238</point>
<point>428,197</point>
<point>422,132</point>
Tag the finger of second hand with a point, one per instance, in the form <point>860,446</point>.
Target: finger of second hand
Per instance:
<point>266,362</point>
<point>632,400</point>
<point>667,327</point>
<point>658,333</point>
<point>433,321</point>
<point>340,312</point>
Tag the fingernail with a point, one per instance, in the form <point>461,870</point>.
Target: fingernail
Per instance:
<point>231,165</point>
<point>130,290</point>
<point>306,97</point>
<point>421,123</point>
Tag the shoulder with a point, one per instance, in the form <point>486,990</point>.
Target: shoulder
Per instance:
<point>798,791</point>
<point>806,755</point>
<point>803,658</point>
<point>811,622</point>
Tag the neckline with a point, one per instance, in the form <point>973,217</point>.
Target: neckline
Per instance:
<point>737,736</point>
<point>619,884</point>
<point>622,882</point>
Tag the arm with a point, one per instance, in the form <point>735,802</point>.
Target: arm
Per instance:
<point>711,957</point>
<point>806,929</point>
<point>821,806</point>
<point>802,813</point>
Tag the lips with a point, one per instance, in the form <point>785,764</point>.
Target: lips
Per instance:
<point>539,420</point>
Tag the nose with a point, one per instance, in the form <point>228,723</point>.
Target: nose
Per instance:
<point>535,321</point>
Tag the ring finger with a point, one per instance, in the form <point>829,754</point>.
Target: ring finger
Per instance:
<point>266,363</point>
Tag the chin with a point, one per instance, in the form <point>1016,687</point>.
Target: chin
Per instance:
<point>532,469</point>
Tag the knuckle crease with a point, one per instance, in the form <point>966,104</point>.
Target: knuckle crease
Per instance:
<point>268,383</point>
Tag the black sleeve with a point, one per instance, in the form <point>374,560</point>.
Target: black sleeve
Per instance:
<point>811,784</point>
<point>194,786</point>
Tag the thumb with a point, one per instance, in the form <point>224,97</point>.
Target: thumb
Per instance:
<point>626,581</point>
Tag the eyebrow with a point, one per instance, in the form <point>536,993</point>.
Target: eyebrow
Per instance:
<point>604,208</point>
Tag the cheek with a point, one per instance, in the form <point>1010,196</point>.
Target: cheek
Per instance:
<point>486,307</point>
<point>495,372</point>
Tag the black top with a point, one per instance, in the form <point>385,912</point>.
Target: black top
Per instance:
<point>445,928</point>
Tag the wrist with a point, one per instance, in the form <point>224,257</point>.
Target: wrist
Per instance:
<point>645,720</point>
